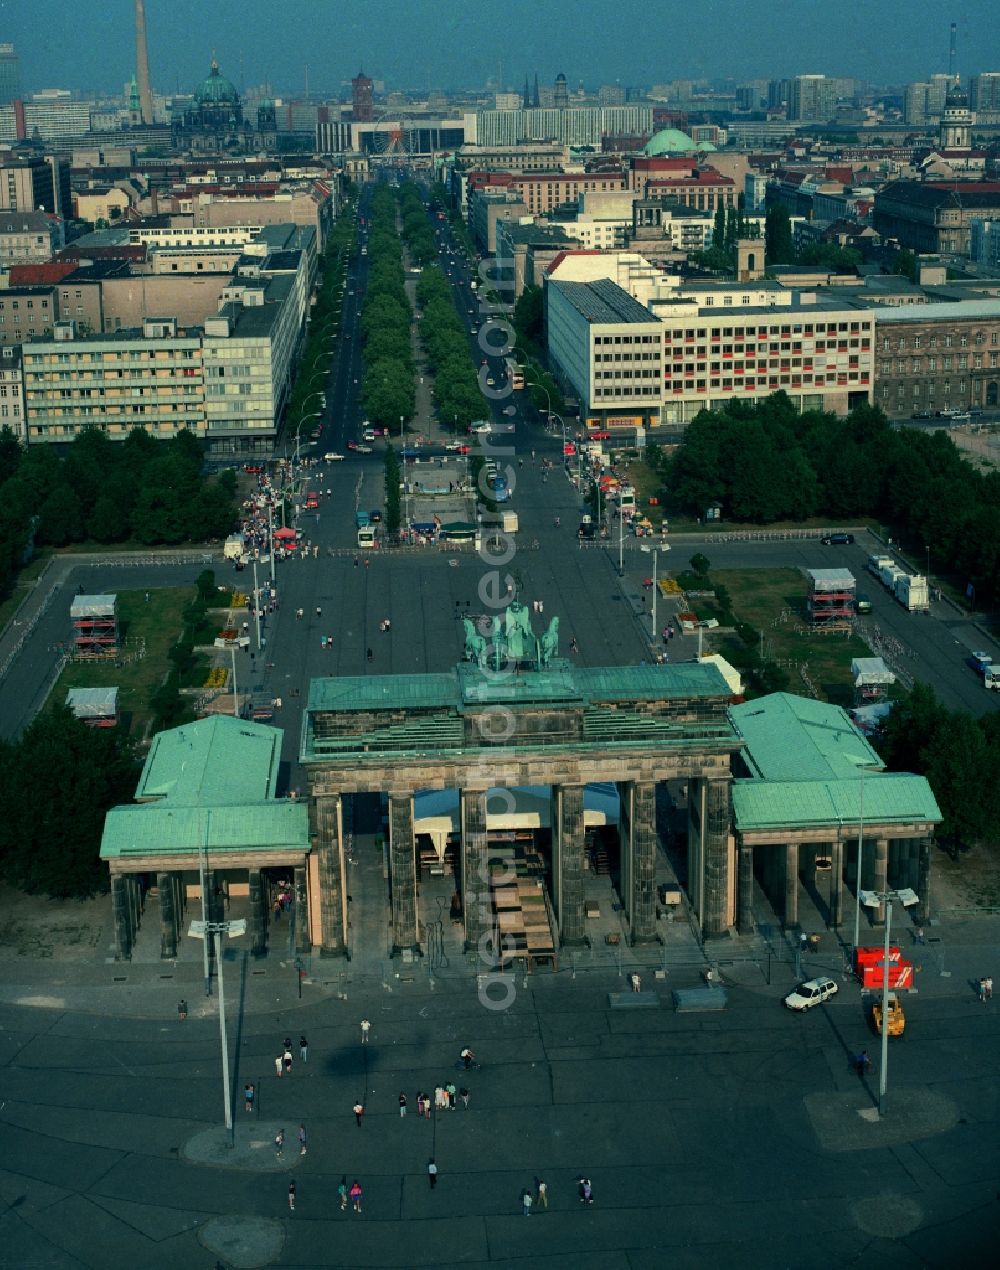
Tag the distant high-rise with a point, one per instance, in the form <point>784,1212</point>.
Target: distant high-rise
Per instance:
<point>142,64</point>
<point>362,90</point>
<point>526,101</point>
<point>535,99</point>
<point>984,93</point>
<point>561,95</point>
<point>814,98</point>
<point>923,103</point>
<point>10,75</point>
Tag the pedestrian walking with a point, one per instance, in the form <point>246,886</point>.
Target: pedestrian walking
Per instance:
<point>402,1104</point>
<point>279,1065</point>
<point>918,936</point>
<point>279,1143</point>
<point>989,987</point>
<point>359,1111</point>
<point>342,1192</point>
<point>303,1048</point>
<point>427,1106</point>
<point>366,1027</point>
<point>182,1009</point>
<point>452,1093</point>
<point>636,981</point>
<point>862,1063</point>
<point>586,1191</point>
<point>982,988</point>
<point>287,1061</point>
<point>527,1199</point>
<point>463,1093</point>
<point>302,1139</point>
<point>356,1195</point>
<point>248,1092</point>
<point>291,1196</point>
<point>420,1106</point>
<point>432,1173</point>
<point>541,1193</point>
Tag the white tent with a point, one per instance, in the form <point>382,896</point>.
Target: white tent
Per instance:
<point>436,811</point>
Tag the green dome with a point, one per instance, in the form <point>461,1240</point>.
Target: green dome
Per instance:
<point>216,90</point>
<point>669,141</point>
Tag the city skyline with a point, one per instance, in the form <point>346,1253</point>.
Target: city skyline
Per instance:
<point>255,42</point>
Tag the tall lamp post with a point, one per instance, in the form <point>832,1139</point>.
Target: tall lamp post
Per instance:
<point>873,899</point>
<point>202,930</point>
<point>656,583</point>
<point>863,765</point>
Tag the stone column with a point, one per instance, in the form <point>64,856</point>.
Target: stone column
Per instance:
<point>923,887</point>
<point>836,882</point>
<point>881,872</point>
<point>168,916</point>
<point>715,832</point>
<point>258,924</point>
<point>324,817</point>
<point>569,883</point>
<point>790,908</point>
<point>744,894</point>
<point>640,903</point>
<point>474,871</point>
<point>303,944</point>
<point>120,915</point>
<point>403,875</point>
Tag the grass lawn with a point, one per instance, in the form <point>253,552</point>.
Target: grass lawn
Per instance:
<point>760,597</point>
<point>157,625</point>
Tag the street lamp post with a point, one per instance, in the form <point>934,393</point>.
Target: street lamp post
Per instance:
<point>873,899</point>
<point>202,930</point>
<point>863,765</point>
<point>656,582</point>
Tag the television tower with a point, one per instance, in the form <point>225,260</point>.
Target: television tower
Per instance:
<point>951,53</point>
<point>142,64</point>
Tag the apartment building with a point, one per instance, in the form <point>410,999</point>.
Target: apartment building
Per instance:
<point>27,237</point>
<point>713,343</point>
<point>26,313</point>
<point>11,391</point>
<point>608,349</point>
<point>938,356</point>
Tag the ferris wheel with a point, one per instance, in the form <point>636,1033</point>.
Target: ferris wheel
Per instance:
<point>393,136</point>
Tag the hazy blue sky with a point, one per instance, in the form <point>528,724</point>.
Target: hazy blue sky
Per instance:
<point>416,43</point>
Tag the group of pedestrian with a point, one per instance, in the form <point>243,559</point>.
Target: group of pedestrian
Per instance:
<point>283,1061</point>
<point>537,1199</point>
<point>352,1193</point>
<point>282,903</point>
<point>986,988</point>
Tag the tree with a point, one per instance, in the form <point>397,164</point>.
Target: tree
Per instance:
<point>778,246</point>
<point>905,264</point>
<point>50,842</point>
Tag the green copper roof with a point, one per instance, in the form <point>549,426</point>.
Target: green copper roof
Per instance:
<point>791,738</point>
<point>213,761</point>
<point>890,797</point>
<point>161,829</point>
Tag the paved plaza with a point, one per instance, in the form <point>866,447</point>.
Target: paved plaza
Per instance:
<point>711,1139</point>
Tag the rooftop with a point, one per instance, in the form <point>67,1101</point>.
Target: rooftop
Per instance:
<point>891,797</point>
<point>794,738</point>
<point>962,310</point>
<point>603,302</point>
<point>215,761</point>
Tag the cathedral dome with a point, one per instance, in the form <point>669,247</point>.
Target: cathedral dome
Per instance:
<point>216,90</point>
<point>956,98</point>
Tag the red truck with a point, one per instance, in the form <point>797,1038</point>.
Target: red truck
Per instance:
<point>312,500</point>
<point>868,965</point>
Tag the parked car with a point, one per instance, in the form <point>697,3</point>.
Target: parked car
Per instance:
<point>812,992</point>
<point>863,604</point>
<point>838,540</point>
